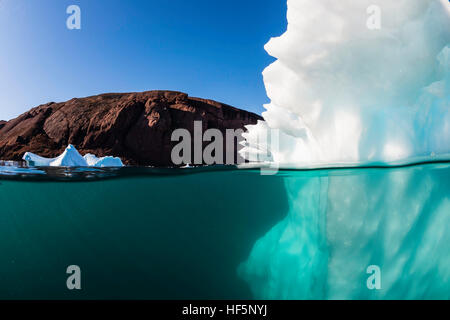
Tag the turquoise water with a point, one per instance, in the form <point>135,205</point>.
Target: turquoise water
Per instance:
<point>225,233</point>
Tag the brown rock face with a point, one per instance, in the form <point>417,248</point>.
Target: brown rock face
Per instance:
<point>137,127</point>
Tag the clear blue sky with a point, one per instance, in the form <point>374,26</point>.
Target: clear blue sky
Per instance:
<point>206,48</point>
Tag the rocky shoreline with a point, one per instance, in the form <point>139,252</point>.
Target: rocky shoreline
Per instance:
<point>136,127</point>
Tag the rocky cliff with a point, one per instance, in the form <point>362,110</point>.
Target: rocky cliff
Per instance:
<point>136,127</point>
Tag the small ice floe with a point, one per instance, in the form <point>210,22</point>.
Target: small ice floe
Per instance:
<point>71,158</point>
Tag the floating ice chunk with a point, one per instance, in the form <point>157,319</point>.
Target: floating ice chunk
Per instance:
<point>93,161</point>
<point>33,160</point>
<point>71,158</point>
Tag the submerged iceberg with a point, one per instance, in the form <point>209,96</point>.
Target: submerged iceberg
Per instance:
<point>342,92</point>
<point>342,222</point>
<point>71,158</point>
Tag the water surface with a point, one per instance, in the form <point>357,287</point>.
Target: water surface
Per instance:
<point>225,233</point>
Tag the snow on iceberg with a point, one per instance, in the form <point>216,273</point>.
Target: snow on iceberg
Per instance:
<point>71,158</point>
<point>343,93</point>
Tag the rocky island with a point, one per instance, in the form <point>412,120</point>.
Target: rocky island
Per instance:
<point>136,127</point>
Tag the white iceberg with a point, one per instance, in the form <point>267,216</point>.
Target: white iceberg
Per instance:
<point>71,158</point>
<point>344,93</point>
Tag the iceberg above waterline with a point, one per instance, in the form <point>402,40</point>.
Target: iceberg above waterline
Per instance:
<point>342,92</point>
<point>72,158</point>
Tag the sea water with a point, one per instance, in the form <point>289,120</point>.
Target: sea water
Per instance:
<point>226,233</point>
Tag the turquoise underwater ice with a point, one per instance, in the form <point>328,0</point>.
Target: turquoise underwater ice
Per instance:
<point>341,223</point>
